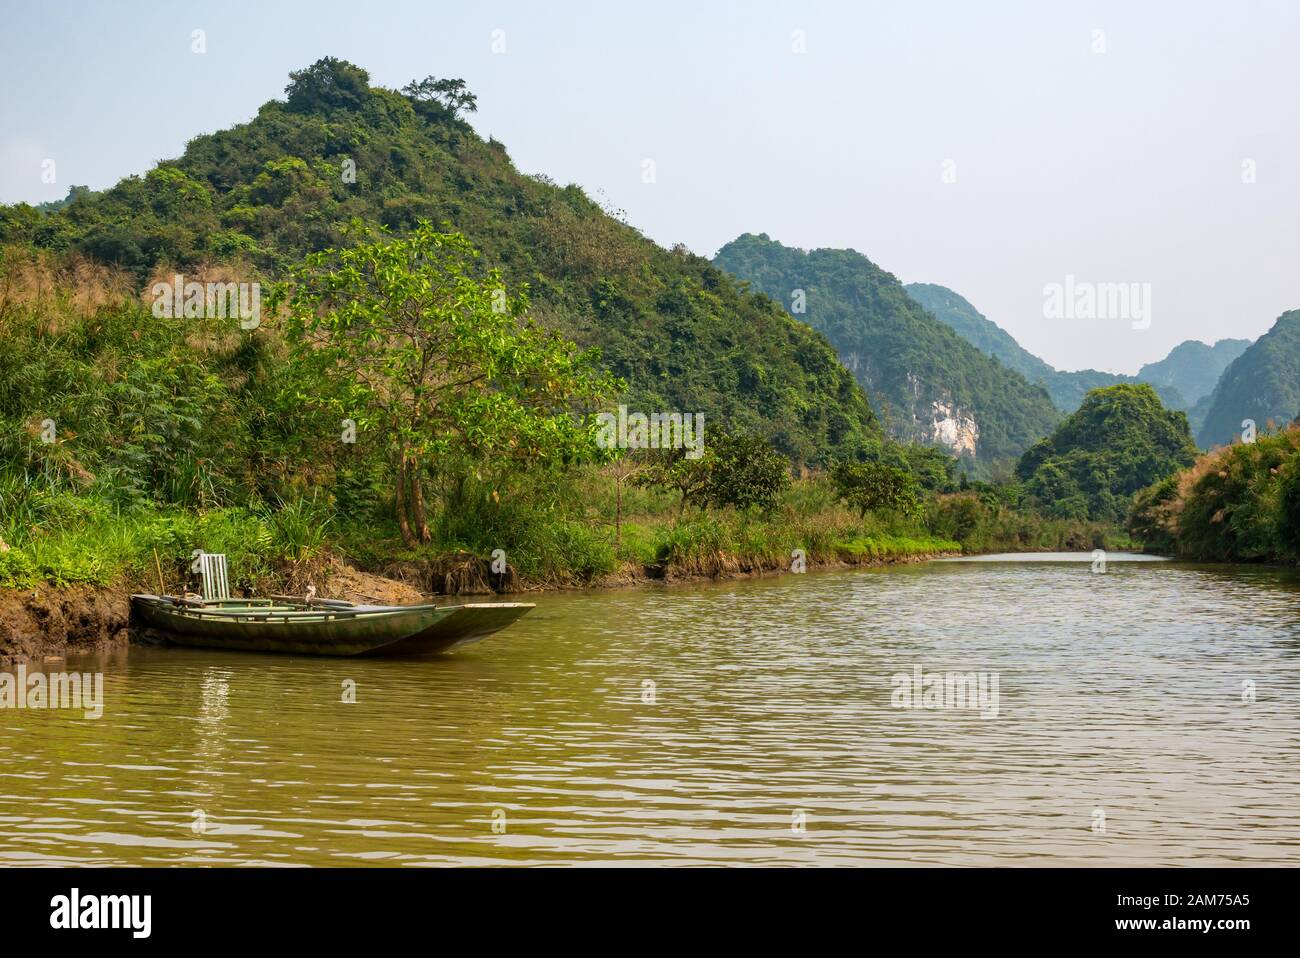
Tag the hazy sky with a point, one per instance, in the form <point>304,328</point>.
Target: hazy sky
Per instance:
<point>1114,157</point>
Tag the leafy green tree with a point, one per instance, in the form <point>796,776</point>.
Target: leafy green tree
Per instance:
<point>873,486</point>
<point>966,516</point>
<point>935,470</point>
<point>452,94</point>
<point>407,338</point>
<point>1288,513</point>
<point>1237,503</point>
<point>1151,520</point>
<point>329,83</point>
<point>744,471</point>
<point>672,469</point>
<point>73,192</point>
<point>735,469</point>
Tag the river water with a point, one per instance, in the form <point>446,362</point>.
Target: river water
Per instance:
<point>1146,715</point>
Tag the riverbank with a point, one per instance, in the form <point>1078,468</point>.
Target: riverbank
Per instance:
<point>48,621</point>
<point>86,555</point>
<point>61,620</point>
<point>592,530</point>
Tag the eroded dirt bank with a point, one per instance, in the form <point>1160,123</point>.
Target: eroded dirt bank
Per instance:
<point>59,620</point>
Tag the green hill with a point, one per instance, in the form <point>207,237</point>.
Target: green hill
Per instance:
<point>1262,384</point>
<point>262,194</point>
<point>1071,387</point>
<point>926,382</point>
<point>1187,374</point>
<point>1192,367</point>
<point>1119,441</point>
<point>981,332</point>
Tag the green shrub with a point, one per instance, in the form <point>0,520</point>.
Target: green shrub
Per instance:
<point>1236,503</point>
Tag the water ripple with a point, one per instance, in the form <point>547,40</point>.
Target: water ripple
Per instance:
<point>748,722</point>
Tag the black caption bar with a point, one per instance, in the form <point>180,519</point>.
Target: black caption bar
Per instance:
<point>1222,907</point>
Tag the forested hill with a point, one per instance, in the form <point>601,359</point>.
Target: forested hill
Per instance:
<point>264,193</point>
<point>1118,442</point>
<point>1192,367</point>
<point>1180,378</point>
<point>926,382</point>
<point>1262,384</point>
<point>979,331</point>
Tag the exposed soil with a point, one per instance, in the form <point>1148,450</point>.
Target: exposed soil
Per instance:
<point>57,621</point>
<point>455,573</point>
<point>345,582</point>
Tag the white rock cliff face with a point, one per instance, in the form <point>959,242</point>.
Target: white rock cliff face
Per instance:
<point>948,425</point>
<point>953,428</point>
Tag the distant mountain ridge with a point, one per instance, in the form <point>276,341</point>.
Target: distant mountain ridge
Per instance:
<point>925,381</point>
<point>1192,367</point>
<point>980,331</point>
<point>1262,384</point>
<point>1183,379</point>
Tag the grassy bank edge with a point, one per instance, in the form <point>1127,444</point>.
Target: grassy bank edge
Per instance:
<point>452,572</point>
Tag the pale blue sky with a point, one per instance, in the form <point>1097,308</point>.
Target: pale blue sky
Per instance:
<point>1122,166</point>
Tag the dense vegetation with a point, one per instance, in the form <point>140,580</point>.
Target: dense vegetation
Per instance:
<point>1120,441</point>
<point>1262,384</point>
<point>257,198</point>
<point>1238,503</point>
<point>445,369</point>
<point>905,359</point>
<point>129,440</point>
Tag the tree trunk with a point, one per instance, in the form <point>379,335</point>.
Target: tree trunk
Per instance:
<point>618,514</point>
<point>403,520</point>
<point>417,503</point>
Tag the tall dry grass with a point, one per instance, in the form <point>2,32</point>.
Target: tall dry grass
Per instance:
<point>57,287</point>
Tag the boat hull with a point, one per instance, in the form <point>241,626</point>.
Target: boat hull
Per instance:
<point>335,631</point>
<point>466,625</point>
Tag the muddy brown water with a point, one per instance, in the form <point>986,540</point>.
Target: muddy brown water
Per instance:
<point>1147,715</point>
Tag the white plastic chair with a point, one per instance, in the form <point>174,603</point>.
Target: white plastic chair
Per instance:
<point>216,585</point>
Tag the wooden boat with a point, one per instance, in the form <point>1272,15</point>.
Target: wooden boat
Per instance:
<point>324,626</point>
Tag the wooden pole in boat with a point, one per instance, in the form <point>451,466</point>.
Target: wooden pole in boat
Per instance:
<point>162,586</point>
